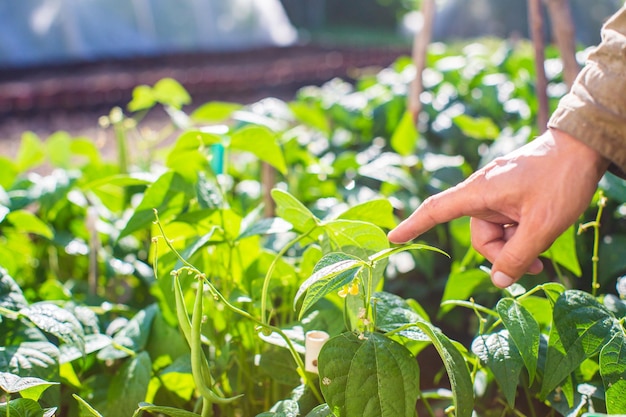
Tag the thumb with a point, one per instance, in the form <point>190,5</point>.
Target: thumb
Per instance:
<point>518,256</point>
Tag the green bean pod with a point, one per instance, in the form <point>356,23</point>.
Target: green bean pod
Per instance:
<point>192,332</point>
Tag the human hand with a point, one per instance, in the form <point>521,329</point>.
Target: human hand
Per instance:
<point>519,204</point>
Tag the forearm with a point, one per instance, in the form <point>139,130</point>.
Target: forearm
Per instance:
<point>594,111</point>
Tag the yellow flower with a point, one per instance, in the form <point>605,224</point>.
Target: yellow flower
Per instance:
<point>352,289</point>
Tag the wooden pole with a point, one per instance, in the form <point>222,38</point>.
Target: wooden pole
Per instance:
<point>564,37</point>
<point>541,84</point>
<point>420,49</point>
<point>268,182</point>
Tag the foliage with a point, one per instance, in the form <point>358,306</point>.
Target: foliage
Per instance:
<point>182,278</point>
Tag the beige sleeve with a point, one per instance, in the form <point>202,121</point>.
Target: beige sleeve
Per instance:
<point>594,111</point>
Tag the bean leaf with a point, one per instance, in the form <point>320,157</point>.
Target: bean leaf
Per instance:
<point>584,326</point>
<point>261,142</point>
<point>289,208</point>
<point>331,273</point>
<point>499,353</point>
<point>28,387</point>
<point>378,212</point>
<point>129,386</point>
<point>523,330</point>
<point>57,321</point>
<point>460,380</point>
<point>613,372</point>
<point>368,376</point>
<point>393,312</point>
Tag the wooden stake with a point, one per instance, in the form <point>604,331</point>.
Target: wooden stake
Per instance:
<point>564,37</point>
<point>420,49</point>
<point>541,84</point>
<point>268,181</point>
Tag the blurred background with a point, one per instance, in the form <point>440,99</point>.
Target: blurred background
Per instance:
<point>65,62</point>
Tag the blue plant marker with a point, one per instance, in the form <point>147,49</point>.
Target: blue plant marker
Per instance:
<point>217,162</point>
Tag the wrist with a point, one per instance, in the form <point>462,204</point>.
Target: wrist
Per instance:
<point>580,151</point>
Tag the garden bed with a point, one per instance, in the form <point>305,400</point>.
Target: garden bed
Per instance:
<point>182,280</point>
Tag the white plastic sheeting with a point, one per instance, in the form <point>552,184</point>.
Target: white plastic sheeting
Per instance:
<point>40,31</point>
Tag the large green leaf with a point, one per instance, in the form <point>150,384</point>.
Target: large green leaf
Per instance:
<point>26,222</point>
<point>523,330</point>
<point>500,354</point>
<point>37,359</point>
<point>458,374</point>
<point>261,142</point>
<point>584,326</point>
<point>169,194</point>
<point>394,312</point>
<point>129,385</point>
<point>214,111</point>
<point>613,372</point>
<point>22,407</point>
<point>368,376</point>
<point>405,135</point>
<point>57,321</point>
<point>289,208</point>
<point>189,155</point>
<point>356,237</point>
<point>27,387</point>
<point>332,272</point>
<point>477,127</point>
<point>378,212</point>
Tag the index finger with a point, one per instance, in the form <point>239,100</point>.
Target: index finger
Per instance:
<point>450,204</point>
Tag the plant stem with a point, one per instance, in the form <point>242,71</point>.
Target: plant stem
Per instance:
<point>122,148</point>
<point>429,409</point>
<point>270,270</point>
<point>529,400</point>
<point>595,258</point>
<point>9,313</point>
<point>207,408</point>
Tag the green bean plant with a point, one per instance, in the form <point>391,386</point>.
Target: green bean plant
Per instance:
<point>183,277</point>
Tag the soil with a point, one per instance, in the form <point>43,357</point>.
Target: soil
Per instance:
<point>73,96</point>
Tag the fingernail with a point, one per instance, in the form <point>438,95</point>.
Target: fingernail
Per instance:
<point>501,279</point>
